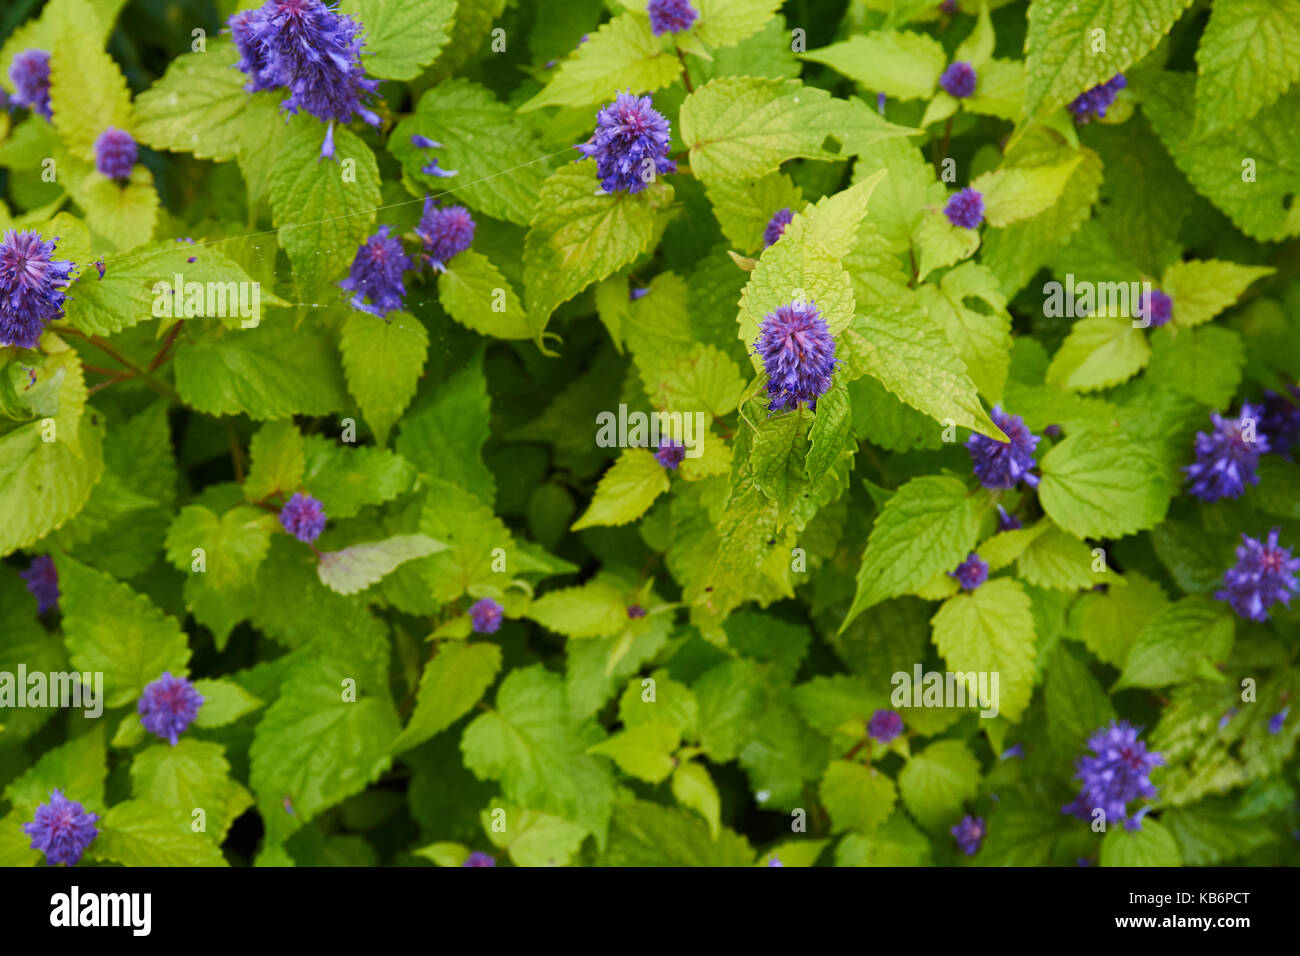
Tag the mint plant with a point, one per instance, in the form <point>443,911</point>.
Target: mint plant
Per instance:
<point>488,433</point>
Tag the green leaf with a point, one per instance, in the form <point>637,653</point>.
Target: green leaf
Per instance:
<point>382,362</point>
<point>1210,833</point>
<point>1099,352</point>
<point>1185,640</point>
<point>896,842</point>
<point>529,742</point>
<point>1014,193</point>
<point>358,566</point>
<point>941,244</point>
<point>856,797</point>
<point>980,331</point>
<point>903,64</point>
<point>401,35</point>
<point>277,462</point>
<point>77,767</point>
<point>453,682</point>
<point>626,490</point>
<point>472,533</point>
<point>1152,845</point>
<point>580,235</point>
<point>1057,559</point>
<point>193,775</point>
<point>197,106</point>
<point>725,23</point>
<point>644,751</point>
<point>502,181</point>
<point>322,209</point>
<point>693,787</point>
<point>88,93</point>
<point>314,748</point>
<point>145,833</point>
<point>1099,485</point>
<point>1248,54</point>
<point>622,54</point>
<point>648,834</point>
<point>912,357</point>
<point>991,629</point>
<point>445,438</point>
<point>224,702</point>
<point>479,297</point>
<point>1201,289</point>
<point>744,207</point>
<point>1109,623</point>
<point>905,195</point>
<point>797,268</point>
<point>1076,704</point>
<point>272,371</point>
<point>1203,364</point>
<point>532,838</point>
<point>831,433</point>
<point>594,609</point>
<point>347,478</point>
<point>124,214</point>
<point>233,545</point>
<point>937,781</point>
<point>1064,57</point>
<point>926,528</point>
<point>113,630</point>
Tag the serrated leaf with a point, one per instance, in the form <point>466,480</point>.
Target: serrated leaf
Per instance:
<point>594,609</point>
<point>193,775</point>
<point>856,797</point>
<point>232,545</point>
<point>479,297</point>
<point>1248,54</point>
<point>276,461</point>
<point>382,361</point>
<point>1186,639</point>
<point>1152,845</point>
<point>1098,485</point>
<point>626,490</point>
<point>145,833</point>
<point>901,63</point>
<point>359,566</point>
<point>401,35</point>
<point>644,751</point>
<point>453,682</point>
<point>197,105</point>
<point>937,781</point>
<point>88,93</point>
<point>991,630</point>
<point>224,702</point>
<point>1099,352</point>
<point>1014,193</point>
<point>1202,288</point>
<point>445,438</point>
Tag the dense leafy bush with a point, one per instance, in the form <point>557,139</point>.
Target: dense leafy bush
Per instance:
<point>415,488</point>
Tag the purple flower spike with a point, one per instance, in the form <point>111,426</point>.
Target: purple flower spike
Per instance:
<point>635,612</point>
<point>446,232</point>
<point>630,145</point>
<point>1157,308</point>
<point>43,581</point>
<point>885,725</point>
<point>969,833</point>
<point>959,80</point>
<point>635,293</point>
<point>670,454</point>
<point>798,354</point>
<point>303,517</point>
<point>1116,773</point>
<point>1096,101</point>
<point>971,573</point>
<point>115,154</point>
<point>1278,721</point>
<point>30,72</point>
<point>1015,751</point>
<point>479,858</point>
<point>486,616</point>
<point>168,706</point>
<point>423,142</point>
<point>62,829</point>
<point>1226,457</point>
<point>376,274</point>
<point>1264,575</point>
<point>670,16</point>
<point>31,287</point>
<point>1281,420</point>
<point>965,209</point>
<point>1008,522</point>
<point>431,168</point>
<point>999,465</point>
<point>776,226</point>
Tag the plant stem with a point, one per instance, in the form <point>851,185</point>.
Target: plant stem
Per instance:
<point>686,70</point>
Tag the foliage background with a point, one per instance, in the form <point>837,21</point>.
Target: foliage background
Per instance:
<point>476,428</point>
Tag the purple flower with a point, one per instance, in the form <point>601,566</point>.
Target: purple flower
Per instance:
<point>479,858</point>
<point>776,226</point>
<point>1223,721</point>
<point>670,454</point>
<point>885,725</point>
<point>1264,574</point>
<point>971,573</point>
<point>775,861</point>
<point>43,581</point>
<point>880,103</point>
<point>1052,431</point>
<point>446,232</point>
<point>999,465</point>
<point>1015,750</point>
<point>377,274</point>
<point>1278,720</point>
<point>168,706</point>
<point>1096,101</point>
<point>423,142</point>
<point>31,287</point>
<point>431,168</point>
<point>965,209</point>
<point>1157,307</point>
<point>1281,420</point>
<point>798,354</point>
<point>670,16</point>
<point>486,615</point>
<point>636,611</point>
<point>115,153</point>
<point>959,80</point>
<point>30,72</point>
<point>1116,773</point>
<point>635,293</point>
<point>1226,457</point>
<point>630,140</point>
<point>1008,522</point>
<point>311,50</point>
<point>969,833</point>
<point>303,517</point>
<point>62,829</point>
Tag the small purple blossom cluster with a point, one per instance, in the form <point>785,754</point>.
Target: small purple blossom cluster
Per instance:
<point>303,517</point>
<point>965,209</point>
<point>969,833</point>
<point>32,285</point>
<point>485,616</point>
<point>798,354</point>
<point>62,829</point>
<point>1117,772</point>
<point>1264,575</point>
<point>971,573</point>
<point>30,73</point>
<point>115,154</point>
<point>776,226</point>
<point>671,16</point>
<point>42,579</point>
<point>630,144</point>
<point>1094,102</point>
<point>885,725</point>
<point>1000,465</point>
<point>313,51</point>
<point>959,80</point>
<point>168,706</point>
